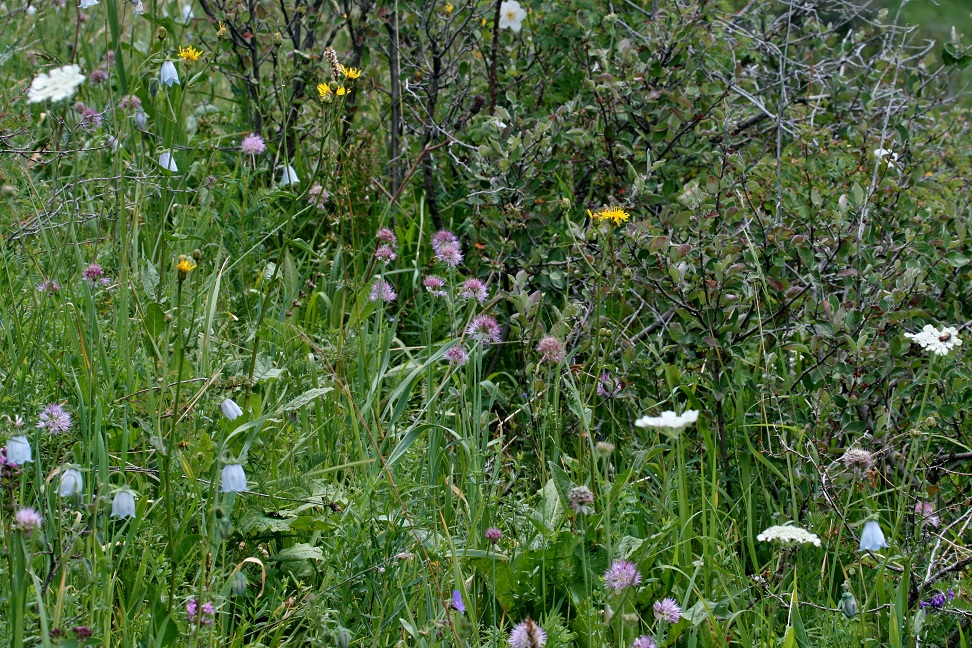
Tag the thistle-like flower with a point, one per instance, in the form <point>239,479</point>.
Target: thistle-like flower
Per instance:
<point>55,418</point>
<point>621,575</point>
<point>527,634</point>
<point>667,610</point>
<point>27,520</point>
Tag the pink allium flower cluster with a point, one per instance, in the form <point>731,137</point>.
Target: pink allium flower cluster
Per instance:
<point>493,535</point>
<point>667,610</point>
<point>484,329</point>
<point>927,515</point>
<point>621,575</point>
<point>434,285</point>
<point>385,235</point>
<point>48,285</point>
<point>382,290</point>
<point>27,520</point>
<point>97,76</point>
<point>252,144</point>
<point>457,356</point>
<point>55,418</point>
<point>449,254</point>
<point>474,289</point>
<point>318,196</point>
<point>527,634</point>
<point>385,254</point>
<point>644,641</point>
<point>129,102</point>
<point>608,386</point>
<point>551,349</point>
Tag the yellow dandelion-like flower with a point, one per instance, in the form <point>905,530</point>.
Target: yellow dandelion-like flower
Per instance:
<point>185,266</point>
<point>615,214</point>
<point>350,72</point>
<point>449,7</point>
<point>323,90</point>
<point>342,91</point>
<point>189,54</point>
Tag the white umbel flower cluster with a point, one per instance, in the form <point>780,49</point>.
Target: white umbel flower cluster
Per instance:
<point>939,342</point>
<point>669,420</point>
<point>789,534</point>
<point>60,83</point>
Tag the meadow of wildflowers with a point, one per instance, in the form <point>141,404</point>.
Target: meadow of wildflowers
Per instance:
<point>491,323</point>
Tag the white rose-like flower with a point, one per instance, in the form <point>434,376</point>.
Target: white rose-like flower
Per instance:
<point>669,420</point>
<point>511,16</point>
<point>788,534</point>
<point>939,342</point>
<point>60,83</point>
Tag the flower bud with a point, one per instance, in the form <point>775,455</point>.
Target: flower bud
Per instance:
<point>162,34</point>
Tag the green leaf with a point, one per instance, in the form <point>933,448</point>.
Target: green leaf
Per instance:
<point>150,279</point>
<point>300,551</point>
<point>305,398</point>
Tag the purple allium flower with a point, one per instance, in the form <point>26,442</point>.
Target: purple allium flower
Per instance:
<point>442,237</point>
<point>318,196</point>
<point>385,235</point>
<point>552,350</point>
<point>55,419</point>
<point>644,641</point>
<point>93,273</point>
<point>382,290</point>
<point>581,499</point>
<point>485,329</point>
<point>449,254</point>
<point>27,520</point>
<point>494,535</point>
<point>457,603</point>
<point>527,634</point>
<point>926,514</point>
<point>129,102</point>
<point>667,610</point>
<point>97,76</point>
<point>457,356</point>
<point>48,285</point>
<point>474,289</point>
<point>90,119</point>
<point>608,386</point>
<point>434,285</point>
<point>621,575</point>
<point>252,144</point>
<point>385,254</point>
<point>81,632</point>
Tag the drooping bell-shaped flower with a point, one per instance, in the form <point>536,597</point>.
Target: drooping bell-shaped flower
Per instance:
<point>289,177</point>
<point>234,479</point>
<point>123,505</point>
<point>872,538</point>
<point>168,74</point>
<point>72,483</point>
<point>141,118</point>
<point>848,605</point>
<point>87,4</point>
<point>167,162</point>
<point>18,450</point>
<point>230,409</point>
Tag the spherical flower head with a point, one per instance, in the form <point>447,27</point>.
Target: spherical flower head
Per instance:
<point>55,418</point>
<point>60,83</point>
<point>230,409</point>
<point>457,356</point>
<point>189,55</point>
<point>234,479</point>
<point>457,603</point>
<point>493,535</point>
<point>939,342</point>
<point>123,505</point>
<point>474,289</point>
<point>252,144</point>
<point>449,254</point>
<point>443,237</point>
<point>581,499</point>
<point>858,460</point>
<point>527,634</point>
<point>48,286</point>
<point>90,119</point>
<point>129,102</point>
<point>385,254</point>
<point>551,349</point>
<point>788,534</point>
<point>318,196</point>
<point>18,450</point>
<point>81,632</point>
<point>97,76</point>
<point>434,285</point>
<point>484,329</point>
<point>385,235</point>
<point>621,575</point>
<point>93,273</point>
<point>644,641</point>
<point>872,537</point>
<point>72,483</point>
<point>669,420</point>
<point>924,510</point>
<point>608,386</point>
<point>382,291</point>
<point>511,16</point>
<point>27,520</point>
<point>613,214</point>
<point>667,610</point>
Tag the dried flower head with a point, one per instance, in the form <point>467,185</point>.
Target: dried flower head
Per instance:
<point>858,460</point>
<point>581,499</point>
<point>332,58</point>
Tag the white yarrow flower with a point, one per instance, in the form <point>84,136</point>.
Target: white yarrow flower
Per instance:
<point>234,479</point>
<point>60,83</point>
<point>168,75</point>
<point>511,16</point>
<point>123,506</point>
<point>230,409</point>
<point>167,162</point>
<point>788,534</point>
<point>289,177</point>
<point>939,342</point>
<point>669,420</point>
